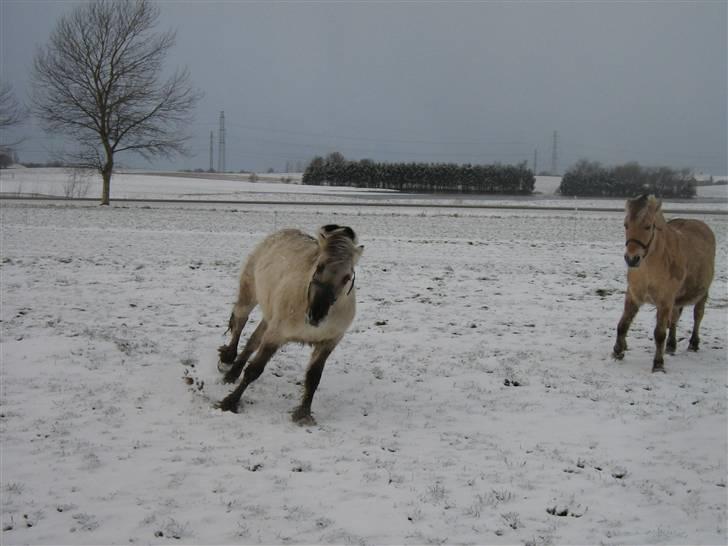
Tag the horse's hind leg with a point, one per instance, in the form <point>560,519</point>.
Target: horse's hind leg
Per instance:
<point>251,346</point>
<point>630,310</point>
<point>241,311</point>
<point>672,335</point>
<point>302,414</point>
<point>698,312</point>
<point>252,372</point>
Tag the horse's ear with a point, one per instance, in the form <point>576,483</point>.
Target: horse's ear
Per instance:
<point>346,230</point>
<point>636,203</point>
<point>328,228</point>
<point>325,231</point>
<point>358,253</point>
<point>654,203</point>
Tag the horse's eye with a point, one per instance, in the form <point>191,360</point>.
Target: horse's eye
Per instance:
<point>320,268</point>
<point>346,279</point>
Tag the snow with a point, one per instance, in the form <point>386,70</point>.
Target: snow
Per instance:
<point>473,401</point>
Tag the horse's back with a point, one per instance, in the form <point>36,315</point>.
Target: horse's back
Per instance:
<point>699,237</point>
<point>278,270</point>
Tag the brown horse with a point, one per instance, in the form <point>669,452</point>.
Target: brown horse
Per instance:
<point>670,266</point>
<point>305,289</point>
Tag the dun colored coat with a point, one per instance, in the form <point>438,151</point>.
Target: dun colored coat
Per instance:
<point>670,265</point>
<point>305,289</point>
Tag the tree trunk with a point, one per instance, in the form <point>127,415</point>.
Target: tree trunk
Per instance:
<point>106,171</point>
<point>106,185</point>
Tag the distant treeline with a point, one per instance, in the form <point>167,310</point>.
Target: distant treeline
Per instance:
<point>591,179</point>
<point>334,170</point>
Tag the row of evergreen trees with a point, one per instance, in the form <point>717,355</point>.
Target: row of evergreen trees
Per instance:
<point>591,179</point>
<point>335,170</point>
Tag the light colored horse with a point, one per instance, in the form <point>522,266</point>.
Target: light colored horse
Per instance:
<point>670,266</point>
<point>305,289</point>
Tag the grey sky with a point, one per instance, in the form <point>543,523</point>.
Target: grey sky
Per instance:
<point>462,82</point>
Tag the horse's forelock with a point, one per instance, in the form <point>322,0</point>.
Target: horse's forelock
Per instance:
<point>638,207</point>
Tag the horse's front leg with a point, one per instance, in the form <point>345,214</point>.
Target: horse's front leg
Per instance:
<point>252,372</point>
<point>302,414</point>
<point>232,375</point>
<point>664,312</point>
<point>630,310</point>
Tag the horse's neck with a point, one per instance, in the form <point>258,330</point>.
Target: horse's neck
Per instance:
<point>664,236</point>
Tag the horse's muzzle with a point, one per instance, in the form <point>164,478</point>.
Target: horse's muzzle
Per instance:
<point>632,261</point>
<point>313,321</point>
<point>321,297</point>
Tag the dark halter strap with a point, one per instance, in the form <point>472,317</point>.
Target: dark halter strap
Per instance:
<point>353,278</point>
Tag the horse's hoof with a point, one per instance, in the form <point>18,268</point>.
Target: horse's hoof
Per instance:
<point>694,348</point>
<point>227,354</point>
<point>227,405</point>
<point>617,356</point>
<point>222,367</point>
<point>658,368</point>
<point>303,418</point>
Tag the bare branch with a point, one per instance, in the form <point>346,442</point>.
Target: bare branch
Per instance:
<point>12,112</point>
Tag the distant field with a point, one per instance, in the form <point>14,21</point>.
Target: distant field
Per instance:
<point>270,187</point>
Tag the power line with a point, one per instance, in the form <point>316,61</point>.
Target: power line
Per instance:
<point>372,139</point>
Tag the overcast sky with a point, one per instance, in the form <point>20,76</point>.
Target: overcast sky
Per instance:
<point>461,82</point>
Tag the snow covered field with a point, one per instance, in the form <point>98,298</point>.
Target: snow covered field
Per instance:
<point>474,400</point>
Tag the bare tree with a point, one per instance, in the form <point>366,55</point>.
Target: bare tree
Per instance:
<point>98,80</point>
<point>12,113</point>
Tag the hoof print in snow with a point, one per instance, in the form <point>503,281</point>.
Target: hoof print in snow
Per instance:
<point>512,383</point>
<point>563,511</point>
<point>619,473</point>
<point>195,383</point>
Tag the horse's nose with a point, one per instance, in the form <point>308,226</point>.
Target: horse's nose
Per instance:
<point>632,261</point>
